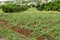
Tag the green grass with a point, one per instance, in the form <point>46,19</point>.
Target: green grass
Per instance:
<point>32,21</point>
<point>41,22</point>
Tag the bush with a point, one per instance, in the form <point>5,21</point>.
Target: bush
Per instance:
<point>40,7</point>
<point>53,6</point>
<point>31,5</point>
<point>13,8</point>
<point>23,7</point>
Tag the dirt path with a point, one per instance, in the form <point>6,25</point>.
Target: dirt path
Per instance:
<point>26,33</point>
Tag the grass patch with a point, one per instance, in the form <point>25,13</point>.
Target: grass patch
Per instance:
<point>42,24</point>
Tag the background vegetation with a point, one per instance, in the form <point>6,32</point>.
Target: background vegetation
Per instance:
<point>51,6</point>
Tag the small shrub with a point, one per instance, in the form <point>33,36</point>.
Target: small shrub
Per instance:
<point>13,8</point>
<point>39,7</point>
<point>23,8</point>
<point>31,5</point>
